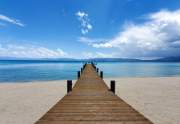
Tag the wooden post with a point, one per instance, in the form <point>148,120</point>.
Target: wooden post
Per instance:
<point>78,74</point>
<point>84,65</point>
<point>92,64</point>
<point>69,86</point>
<point>112,86</point>
<point>101,74</point>
<point>81,70</point>
<point>97,70</point>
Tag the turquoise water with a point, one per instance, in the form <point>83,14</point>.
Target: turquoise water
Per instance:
<point>23,71</point>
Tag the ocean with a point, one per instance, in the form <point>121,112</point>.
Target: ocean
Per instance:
<point>26,71</point>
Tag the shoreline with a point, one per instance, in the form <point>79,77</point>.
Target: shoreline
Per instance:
<point>65,80</point>
<point>155,97</point>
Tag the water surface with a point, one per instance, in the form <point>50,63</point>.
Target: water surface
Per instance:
<point>25,71</point>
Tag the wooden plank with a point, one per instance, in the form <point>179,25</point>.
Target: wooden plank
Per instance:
<point>91,102</point>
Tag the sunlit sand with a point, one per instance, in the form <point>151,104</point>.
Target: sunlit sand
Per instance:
<point>156,98</point>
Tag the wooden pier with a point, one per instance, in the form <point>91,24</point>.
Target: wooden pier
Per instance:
<point>91,102</point>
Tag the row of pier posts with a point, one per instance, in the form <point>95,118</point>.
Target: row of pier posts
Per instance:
<point>69,82</point>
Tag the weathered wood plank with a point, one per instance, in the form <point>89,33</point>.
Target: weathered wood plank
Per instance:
<point>91,102</point>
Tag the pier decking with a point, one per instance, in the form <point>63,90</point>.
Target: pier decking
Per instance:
<point>90,102</point>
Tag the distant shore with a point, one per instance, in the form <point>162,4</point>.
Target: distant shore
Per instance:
<point>155,97</point>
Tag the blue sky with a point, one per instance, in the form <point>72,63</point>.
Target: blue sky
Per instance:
<point>88,29</point>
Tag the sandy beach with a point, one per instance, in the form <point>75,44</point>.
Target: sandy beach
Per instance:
<point>156,98</point>
<point>25,103</point>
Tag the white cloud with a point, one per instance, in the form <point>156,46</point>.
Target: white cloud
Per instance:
<point>10,20</point>
<point>26,51</point>
<point>90,41</point>
<point>159,35</point>
<point>84,20</point>
<point>98,55</point>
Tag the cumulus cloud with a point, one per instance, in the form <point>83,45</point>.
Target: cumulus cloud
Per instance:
<point>159,35</point>
<point>11,20</point>
<point>26,51</point>
<point>84,20</point>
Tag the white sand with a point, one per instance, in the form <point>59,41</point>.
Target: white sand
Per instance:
<point>157,98</point>
<point>25,103</point>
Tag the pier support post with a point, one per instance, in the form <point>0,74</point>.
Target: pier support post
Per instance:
<point>97,70</point>
<point>93,65</point>
<point>84,65</point>
<point>101,74</point>
<point>69,86</point>
<point>78,74</point>
<point>112,86</point>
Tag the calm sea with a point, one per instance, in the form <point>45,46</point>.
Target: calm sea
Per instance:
<point>25,71</point>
